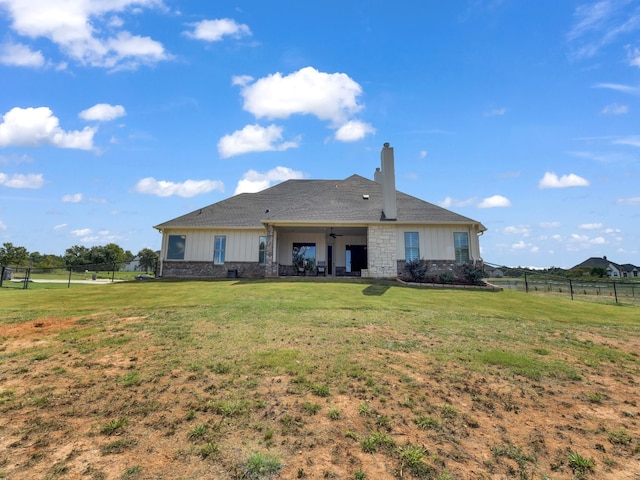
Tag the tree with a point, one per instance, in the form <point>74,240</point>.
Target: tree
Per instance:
<point>599,272</point>
<point>76,256</point>
<point>148,259</point>
<point>10,255</point>
<point>106,257</point>
<point>114,254</point>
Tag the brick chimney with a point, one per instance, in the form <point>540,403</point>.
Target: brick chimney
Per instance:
<point>388,178</point>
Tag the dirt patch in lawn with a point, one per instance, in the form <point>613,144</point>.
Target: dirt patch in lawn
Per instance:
<point>103,409</point>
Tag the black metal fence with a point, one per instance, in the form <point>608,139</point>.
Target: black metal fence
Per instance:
<point>24,277</point>
<point>604,290</point>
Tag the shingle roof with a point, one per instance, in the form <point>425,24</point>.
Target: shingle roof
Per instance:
<point>314,201</point>
<point>594,262</point>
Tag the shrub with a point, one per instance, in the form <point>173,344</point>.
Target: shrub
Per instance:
<point>446,277</point>
<point>416,270</point>
<point>472,274</point>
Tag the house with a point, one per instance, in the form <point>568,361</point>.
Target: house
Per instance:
<point>613,270</point>
<point>493,272</point>
<point>630,271</point>
<point>354,226</point>
<point>131,265</point>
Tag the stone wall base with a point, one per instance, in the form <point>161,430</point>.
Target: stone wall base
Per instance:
<point>435,266</point>
<point>181,269</point>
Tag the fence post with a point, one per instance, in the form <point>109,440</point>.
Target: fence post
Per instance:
<point>25,285</point>
<point>2,275</point>
<point>69,282</point>
<point>571,288</point>
<point>526,283</point>
<point>615,291</point>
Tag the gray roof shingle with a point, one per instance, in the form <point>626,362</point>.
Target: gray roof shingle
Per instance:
<point>314,201</point>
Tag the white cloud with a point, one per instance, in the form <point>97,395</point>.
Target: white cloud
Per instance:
<point>618,87</point>
<point>590,226</point>
<point>103,112</point>
<point>32,127</point>
<point>449,202</point>
<point>423,154</point>
<point>86,235</point>
<point>495,201</point>
<point>15,158</point>
<point>18,180</point>
<point>615,109</point>
<point>72,198</point>
<point>20,55</point>
<point>496,112</point>
<point>253,181</point>
<point>2,226</point>
<point>579,242</point>
<point>328,96</point>
<point>188,188</point>
<point>354,130</point>
<point>241,80</point>
<point>253,138</point>
<point>81,232</point>
<point>62,226</point>
<point>628,201</point>
<point>214,30</point>
<point>634,57</point>
<point>601,23</point>
<point>551,180</point>
<point>550,224</point>
<point>524,230</point>
<point>522,245</point>
<point>632,140</point>
<point>84,30</point>
<point>103,236</point>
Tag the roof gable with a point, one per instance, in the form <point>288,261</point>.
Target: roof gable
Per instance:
<point>597,262</point>
<point>352,200</point>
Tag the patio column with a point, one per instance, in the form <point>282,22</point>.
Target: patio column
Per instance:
<point>271,267</point>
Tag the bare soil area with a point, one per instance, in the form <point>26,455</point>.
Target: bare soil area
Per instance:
<point>83,415</point>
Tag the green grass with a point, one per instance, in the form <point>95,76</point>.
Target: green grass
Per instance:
<point>201,349</point>
<point>261,465</point>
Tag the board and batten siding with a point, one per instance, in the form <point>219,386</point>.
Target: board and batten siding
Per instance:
<point>241,245</point>
<point>436,242</point>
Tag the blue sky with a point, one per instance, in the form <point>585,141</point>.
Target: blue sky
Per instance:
<point>117,115</point>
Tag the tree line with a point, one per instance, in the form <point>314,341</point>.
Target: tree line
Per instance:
<point>98,257</point>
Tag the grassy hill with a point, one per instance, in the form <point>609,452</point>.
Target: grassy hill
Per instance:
<point>314,379</point>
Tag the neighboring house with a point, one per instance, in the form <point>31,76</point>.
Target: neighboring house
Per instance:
<point>353,226</point>
<point>613,270</point>
<point>131,265</point>
<point>630,271</point>
<point>493,272</point>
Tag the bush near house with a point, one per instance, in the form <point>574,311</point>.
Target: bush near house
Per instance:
<point>417,271</point>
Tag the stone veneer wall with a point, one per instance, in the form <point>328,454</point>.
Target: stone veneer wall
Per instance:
<point>436,267</point>
<point>381,251</point>
<point>182,269</point>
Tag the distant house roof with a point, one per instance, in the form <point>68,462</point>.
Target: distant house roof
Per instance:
<point>595,262</point>
<point>349,201</point>
<point>627,267</point>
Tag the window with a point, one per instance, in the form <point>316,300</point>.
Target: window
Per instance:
<point>304,255</point>
<point>176,246</point>
<point>411,246</point>
<point>262,250</point>
<point>461,244</point>
<point>219,244</point>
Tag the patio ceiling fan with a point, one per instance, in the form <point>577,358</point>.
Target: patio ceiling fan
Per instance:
<point>334,235</point>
